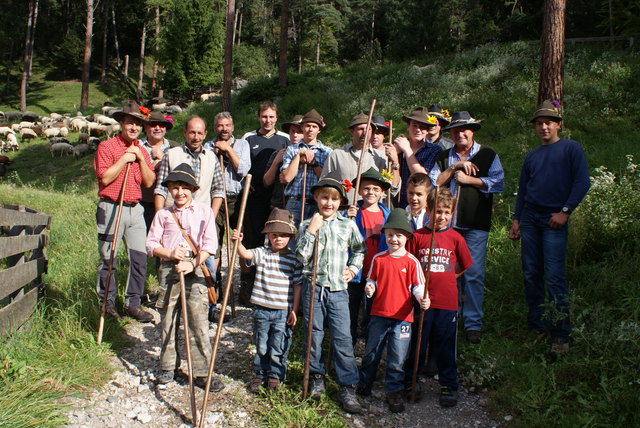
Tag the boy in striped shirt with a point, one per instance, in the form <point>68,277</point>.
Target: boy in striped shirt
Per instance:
<point>276,296</point>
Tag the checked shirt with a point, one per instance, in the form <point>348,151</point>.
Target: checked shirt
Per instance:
<point>320,155</point>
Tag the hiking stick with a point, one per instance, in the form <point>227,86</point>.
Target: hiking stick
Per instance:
<point>227,231</point>
<point>312,296</point>
<point>304,191</point>
<point>391,142</point>
<point>112,256</point>
<point>455,207</point>
<point>187,344</point>
<point>232,262</point>
<point>277,182</point>
<point>414,377</point>
<point>365,146</point>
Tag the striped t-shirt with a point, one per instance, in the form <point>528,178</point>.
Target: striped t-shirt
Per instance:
<point>276,275</point>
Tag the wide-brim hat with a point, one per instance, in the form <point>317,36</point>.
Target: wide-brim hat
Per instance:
<point>184,173</point>
<point>297,120</point>
<point>463,119</point>
<point>314,117</point>
<point>421,114</point>
<point>130,108</point>
<point>334,180</point>
<point>280,221</point>
<point>159,117</point>
<point>375,175</point>
<point>378,122</point>
<point>358,119</point>
<point>398,219</point>
<point>442,114</point>
<point>548,108</point>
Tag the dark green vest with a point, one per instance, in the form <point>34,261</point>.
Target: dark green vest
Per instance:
<point>474,208</point>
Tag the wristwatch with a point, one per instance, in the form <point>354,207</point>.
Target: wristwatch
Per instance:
<point>566,210</point>
<point>395,167</point>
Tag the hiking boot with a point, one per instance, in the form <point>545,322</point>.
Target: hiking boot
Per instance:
<point>448,396</point>
<point>473,337</point>
<point>394,401</point>
<point>317,387</point>
<point>165,376</point>
<point>273,384</point>
<point>255,384</point>
<point>112,312</point>
<point>216,384</point>
<point>347,397</point>
<point>139,314</point>
<point>559,347</point>
<point>408,390</point>
<point>363,390</point>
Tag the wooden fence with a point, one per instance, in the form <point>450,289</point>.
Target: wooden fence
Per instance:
<point>22,244</point>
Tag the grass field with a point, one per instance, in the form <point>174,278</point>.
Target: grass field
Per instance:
<point>597,384</point>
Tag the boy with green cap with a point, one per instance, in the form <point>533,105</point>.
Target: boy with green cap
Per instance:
<point>395,276</point>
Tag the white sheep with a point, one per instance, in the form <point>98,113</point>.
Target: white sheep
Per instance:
<point>62,148</point>
<point>52,132</point>
<point>4,130</point>
<point>25,124</point>
<point>64,131</point>
<point>82,149</point>
<point>159,106</point>
<point>12,143</point>
<point>78,124</point>
<point>55,116</point>
<point>15,127</point>
<point>174,109</point>
<point>27,134</point>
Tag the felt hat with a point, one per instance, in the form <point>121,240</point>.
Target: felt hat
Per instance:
<point>378,122</point>
<point>297,120</point>
<point>549,109</point>
<point>398,219</point>
<point>463,118</point>
<point>159,118</point>
<point>421,114</point>
<point>130,108</point>
<point>358,119</point>
<point>314,117</point>
<point>375,175</point>
<point>442,115</point>
<point>280,221</point>
<point>184,173</point>
<point>333,179</point>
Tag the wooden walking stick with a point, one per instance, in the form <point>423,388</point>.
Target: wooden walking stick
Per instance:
<point>232,262</point>
<point>304,191</point>
<point>365,146</point>
<point>227,231</point>
<point>390,142</point>
<point>312,293</point>
<point>455,207</point>
<point>414,377</point>
<point>187,344</point>
<point>112,256</point>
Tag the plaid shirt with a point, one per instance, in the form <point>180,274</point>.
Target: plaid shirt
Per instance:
<point>340,246</point>
<point>108,153</point>
<point>217,191</point>
<point>234,178</point>
<point>320,155</point>
<point>426,156</point>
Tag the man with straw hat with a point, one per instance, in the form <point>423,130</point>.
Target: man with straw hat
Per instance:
<point>111,168</point>
<point>434,133</point>
<point>553,180</point>
<point>474,171</point>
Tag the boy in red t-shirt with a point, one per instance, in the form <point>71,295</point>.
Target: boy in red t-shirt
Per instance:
<point>449,259</point>
<point>395,276</point>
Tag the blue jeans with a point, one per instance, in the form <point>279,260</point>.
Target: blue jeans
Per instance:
<point>332,308</point>
<point>543,254</point>
<point>294,206</point>
<point>471,284</point>
<point>272,337</point>
<point>397,336</point>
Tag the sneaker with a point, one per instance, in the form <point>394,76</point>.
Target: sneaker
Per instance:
<point>448,396</point>
<point>112,312</point>
<point>473,337</point>
<point>559,347</point>
<point>394,401</point>
<point>212,313</point>
<point>139,314</point>
<point>166,376</point>
<point>216,384</point>
<point>363,390</point>
<point>317,387</point>
<point>255,384</point>
<point>273,384</point>
<point>347,397</point>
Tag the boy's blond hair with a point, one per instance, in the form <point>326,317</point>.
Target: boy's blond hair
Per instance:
<point>445,199</point>
<point>327,189</point>
<point>419,179</point>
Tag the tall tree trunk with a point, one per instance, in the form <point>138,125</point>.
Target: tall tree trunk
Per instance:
<point>125,68</point>
<point>115,36</point>
<point>228,57</point>
<point>318,38</point>
<point>552,51</point>
<point>156,51</point>
<point>235,25</point>
<point>143,40</point>
<point>33,35</point>
<point>239,29</point>
<point>103,72</point>
<point>86,66</point>
<point>28,52</point>
<point>284,25</point>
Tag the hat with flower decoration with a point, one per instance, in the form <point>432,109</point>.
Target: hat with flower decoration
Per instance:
<point>382,178</point>
<point>442,114</point>
<point>379,123</point>
<point>332,179</point>
<point>157,117</point>
<point>422,115</point>
<point>131,108</point>
<point>548,108</point>
<point>314,117</point>
<point>297,120</point>
<point>463,119</point>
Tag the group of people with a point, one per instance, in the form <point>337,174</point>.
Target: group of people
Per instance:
<point>387,232</point>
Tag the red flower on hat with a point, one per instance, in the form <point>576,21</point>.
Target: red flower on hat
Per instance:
<point>347,185</point>
<point>324,124</point>
<point>169,119</point>
<point>144,111</point>
<point>387,124</point>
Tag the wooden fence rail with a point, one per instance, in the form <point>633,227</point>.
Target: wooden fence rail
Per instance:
<point>22,253</point>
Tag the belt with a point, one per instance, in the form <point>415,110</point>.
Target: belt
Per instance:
<point>126,204</point>
<point>308,200</point>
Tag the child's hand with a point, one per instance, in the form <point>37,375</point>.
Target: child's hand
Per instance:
<point>184,267</point>
<point>369,289</point>
<point>316,223</point>
<point>352,211</point>
<point>237,235</point>
<point>292,319</point>
<point>347,274</point>
<point>178,253</point>
<point>425,303</point>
